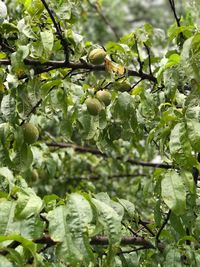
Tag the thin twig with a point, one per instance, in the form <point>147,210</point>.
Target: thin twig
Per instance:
<point>172,5</point>
<point>132,87</point>
<point>141,63</point>
<point>145,225</point>
<point>163,225</point>
<point>132,250</point>
<point>130,229</point>
<point>149,57</point>
<point>33,109</point>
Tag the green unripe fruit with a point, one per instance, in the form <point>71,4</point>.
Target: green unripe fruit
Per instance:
<point>93,106</point>
<point>104,96</point>
<point>97,56</point>
<point>43,174</point>
<point>123,86</point>
<point>34,175</point>
<point>31,133</point>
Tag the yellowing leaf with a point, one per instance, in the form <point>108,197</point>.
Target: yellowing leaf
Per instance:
<point>114,67</point>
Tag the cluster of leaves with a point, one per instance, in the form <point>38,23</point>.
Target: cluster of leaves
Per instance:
<point>142,148</point>
<point>58,230</point>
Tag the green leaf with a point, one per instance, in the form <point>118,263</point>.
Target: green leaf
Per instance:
<point>113,47</point>
<point>8,107</point>
<point>5,133</point>
<point>196,259</point>
<point>60,232</point>
<point>177,224</point>
<point>7,209</point>
<point>173,192</point>
<point>157,213</point>
<point>9,27</point>
<point>185,238</point>
<point>6,173</point>
<point>109,219</point>
<point>30,228</point>
<point>89,125</point>
<point>104,197</point>
<point>23,157</point>
<point>47,40</point>
<point>34,7</point>
<point>193,130</point>
<point>121,106</point>
<point>128,206</point>
<point>79,214</point>
<point>26,29</point>
<point>28,205</point>
<point>74,224</point>
<point>79,217</point>
<point>173,258</point>
<point>27,244</point>
<point>180,147</point>
<point>193,112</point>
<point>4,262</point>
<point>175,30</point>
<point>188,180</point>
<point>15,257</point>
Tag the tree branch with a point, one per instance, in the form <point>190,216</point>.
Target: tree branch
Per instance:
<point>131,240</point>
<point>46,239</point>
<point>58,31</point>
<point>96,177</point>
<point>103,241</point>
<point>97,152</point>
<point>96,240</point>
<point>51,65</point>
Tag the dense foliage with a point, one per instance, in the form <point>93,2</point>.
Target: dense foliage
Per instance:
<point>99,133</point>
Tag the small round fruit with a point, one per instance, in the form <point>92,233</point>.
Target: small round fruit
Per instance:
<point>43,174</point>
<point>93,106</point>
<point>97,56</point>
<point>123,86</point>
<point>104,96</point>
<point>31,133</point>
<point>34,175</point>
